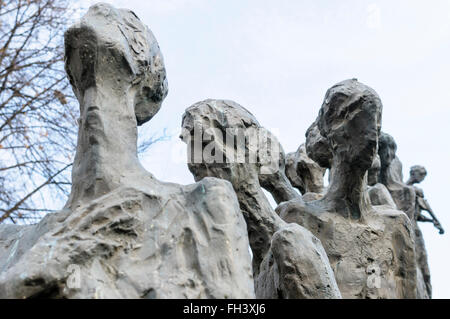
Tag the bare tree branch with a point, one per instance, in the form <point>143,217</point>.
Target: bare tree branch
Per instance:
<point>37,108</point>
<point>37,189</point>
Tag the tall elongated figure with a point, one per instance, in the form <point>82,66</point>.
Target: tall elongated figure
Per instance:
<point>370,248</point>
<point>123,233</point>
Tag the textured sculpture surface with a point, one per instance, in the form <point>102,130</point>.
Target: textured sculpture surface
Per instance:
<point>417,175</point>
<point>124,234</point>
<point>360,239</point>
<point>392,177</point>
<point>304,173</point>
<point>405,198</point>
<point>275,180</point>
<point>378,193</point>
<point>288,261</point>
<point>317,147</point>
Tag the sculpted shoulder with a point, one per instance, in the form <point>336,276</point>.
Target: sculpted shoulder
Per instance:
<point>296,211</point>
<point>392,217</point>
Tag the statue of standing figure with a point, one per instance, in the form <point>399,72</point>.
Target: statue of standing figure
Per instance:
<point>417,174</point>
<point>407,198</point>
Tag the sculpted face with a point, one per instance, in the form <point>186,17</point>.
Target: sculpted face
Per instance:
<point>417,174</point>
<point>226,141</point>
<point>214,131</point>
<point>120,54</point>
<point>350,119</point>
<point>386,149</point>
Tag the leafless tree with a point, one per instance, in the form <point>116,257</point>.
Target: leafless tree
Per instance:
<point>37,110</point>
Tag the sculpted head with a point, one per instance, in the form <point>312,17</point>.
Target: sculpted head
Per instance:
<point>112,51</point>
<point>417,174</point>
<point>350,120</point>
<point>272,159</point>
<point>224,141</point>
<point>204,129</point>
<point>386,149</point>
<point>117,73</point>
<point>304,173</point>
<point>317,147</point>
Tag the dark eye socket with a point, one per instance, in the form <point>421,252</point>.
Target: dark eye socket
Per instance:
<point>338,98</point>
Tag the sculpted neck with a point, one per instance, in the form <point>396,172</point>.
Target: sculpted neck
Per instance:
<point>106,150</point>
<point>347,191</point>
<point>262,221</point>
<point>253,200</point>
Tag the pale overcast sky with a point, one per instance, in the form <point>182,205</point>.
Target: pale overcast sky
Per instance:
<point>278,58</point>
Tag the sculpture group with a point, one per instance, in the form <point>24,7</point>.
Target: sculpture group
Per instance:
<point>125,234</point>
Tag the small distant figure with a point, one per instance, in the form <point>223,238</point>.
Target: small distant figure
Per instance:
<point>417,174</point>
